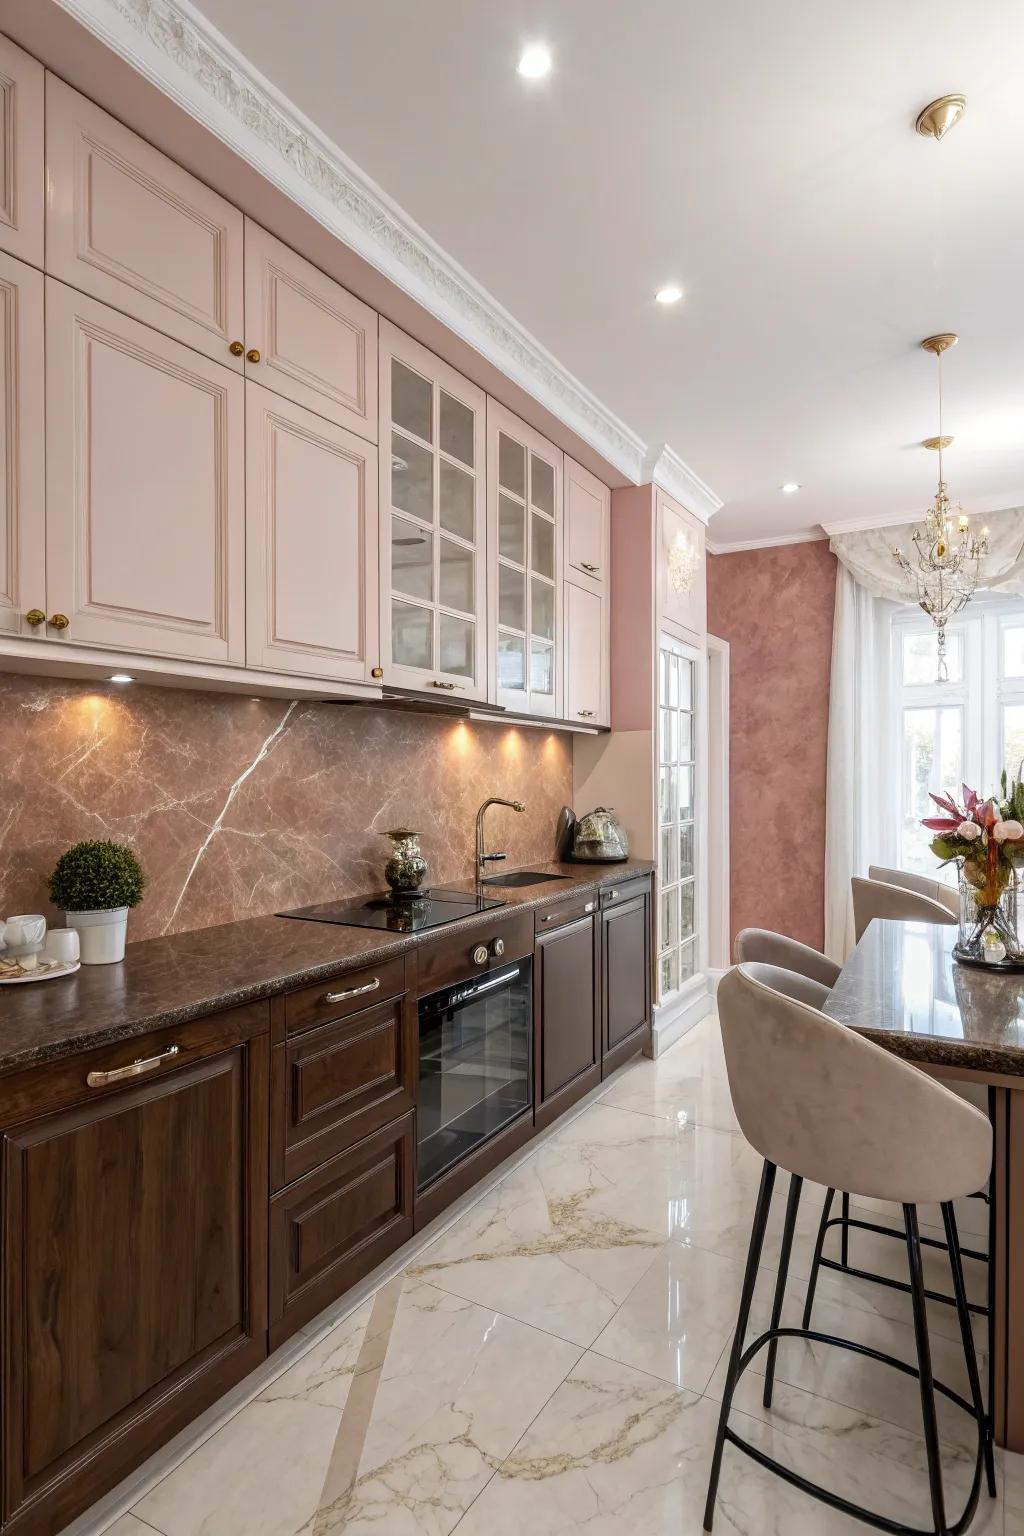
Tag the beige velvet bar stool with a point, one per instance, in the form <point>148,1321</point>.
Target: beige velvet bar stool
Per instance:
<point>821,1102</point>
<point>762,947</point>
<point>946,895</point>
<point>874,898</point>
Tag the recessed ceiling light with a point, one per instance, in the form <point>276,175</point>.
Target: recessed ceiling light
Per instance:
<point>535,61</point>
<point>789,487</point>
<point>121,677</point>
<point>670,294</point>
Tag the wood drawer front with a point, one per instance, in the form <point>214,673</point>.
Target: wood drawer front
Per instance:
<point>627,890</point>
<point>568,911</point>
<point>333,1226</point>
<point>336,1084</point>
<point>442,961</point>
<point>346,994</point>
<point>134,229</point>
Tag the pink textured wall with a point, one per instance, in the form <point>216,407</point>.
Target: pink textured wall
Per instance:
<point>238,806</point>
<point>775,607</point>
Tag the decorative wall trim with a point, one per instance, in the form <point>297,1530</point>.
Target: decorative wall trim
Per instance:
<point>663,467</point>
<point>809,536</point>
<point>177,49</point>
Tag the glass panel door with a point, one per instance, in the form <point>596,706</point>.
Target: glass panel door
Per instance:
<point>433,524</point>
<point>678,936</point>
<point>527,542</point>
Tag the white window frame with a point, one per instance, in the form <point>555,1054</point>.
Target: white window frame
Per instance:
<point>669,642</point>
<point>981,695</point>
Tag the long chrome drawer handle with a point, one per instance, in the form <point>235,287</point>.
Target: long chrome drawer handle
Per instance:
<point>340,997</point>
<point>133,1069</point>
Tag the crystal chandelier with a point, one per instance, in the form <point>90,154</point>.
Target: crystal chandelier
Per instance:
<point>947,557</point>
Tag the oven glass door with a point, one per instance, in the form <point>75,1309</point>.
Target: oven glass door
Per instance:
<point>476,1065</point>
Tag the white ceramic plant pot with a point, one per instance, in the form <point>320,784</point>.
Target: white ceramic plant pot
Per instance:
<point>101,934</point>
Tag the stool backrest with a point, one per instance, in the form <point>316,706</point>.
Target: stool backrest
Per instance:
<point>873,898</point>
<point>817,1099</point>
<point>767,948</point>
<point>948,895</point>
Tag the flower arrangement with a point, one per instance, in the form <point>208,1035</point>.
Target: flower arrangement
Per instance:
<point>986,839</point>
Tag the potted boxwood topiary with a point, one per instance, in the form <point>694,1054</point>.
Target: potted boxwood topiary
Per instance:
<point>95,884</point>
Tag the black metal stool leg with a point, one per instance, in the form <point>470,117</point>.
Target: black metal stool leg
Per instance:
<point>792,1204</point>
<point>844,1246</point>
<point>924,1361</point>
<point>812,1283</point>
<point>967,1335</point>
<point>764,1201</point>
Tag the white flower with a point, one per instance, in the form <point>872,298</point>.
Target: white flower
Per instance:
<point>969,830</point>
<point>1007,831</point>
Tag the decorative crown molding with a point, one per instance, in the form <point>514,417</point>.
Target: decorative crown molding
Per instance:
<point>770,541</point>
<point>663,467</point>
<point>175,47</point>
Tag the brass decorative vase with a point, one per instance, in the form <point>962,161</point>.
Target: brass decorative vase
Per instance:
<point>406,869</point>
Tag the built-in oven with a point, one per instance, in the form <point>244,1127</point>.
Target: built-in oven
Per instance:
<point>476,1064</point>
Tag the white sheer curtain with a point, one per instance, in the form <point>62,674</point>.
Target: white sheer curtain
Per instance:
<point>862,766</point>
<point>863,761</point>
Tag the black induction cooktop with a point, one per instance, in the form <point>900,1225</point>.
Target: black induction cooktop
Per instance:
<point>399,914</point>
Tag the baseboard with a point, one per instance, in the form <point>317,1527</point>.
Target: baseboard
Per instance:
<point>675,1018</point>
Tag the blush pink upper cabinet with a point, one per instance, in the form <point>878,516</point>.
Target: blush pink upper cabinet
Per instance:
<point>22,411</point>
<point>586,655</point>
<point>524,510</point>
<point>21,154</point>
<point>130,227</point>
<point>432,512</point>
<point>311,542</point>
<point>587,522</point>
<point>145,468</point>
<point>317,344</point>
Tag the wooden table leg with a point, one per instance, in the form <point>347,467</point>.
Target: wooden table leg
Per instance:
<point>1007,1363</point>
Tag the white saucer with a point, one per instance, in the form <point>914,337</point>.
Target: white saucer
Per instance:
<point>40,975</point>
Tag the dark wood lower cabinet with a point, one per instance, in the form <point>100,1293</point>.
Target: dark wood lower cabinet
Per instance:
<point>567,1018</point>
<point>163,1227</point>
<point>330,1228</point>
<point>625,976</point>
<point>134,1263</point>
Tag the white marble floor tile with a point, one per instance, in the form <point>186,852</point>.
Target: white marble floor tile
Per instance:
<point>439,1400</point>
<point>563,1240</point>
<point>128,1525</point>
<point>680,1316</point>
<point>688,1084</point>
<point>619,1453</point>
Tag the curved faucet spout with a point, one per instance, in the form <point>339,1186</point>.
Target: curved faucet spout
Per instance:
<point>482,858</point>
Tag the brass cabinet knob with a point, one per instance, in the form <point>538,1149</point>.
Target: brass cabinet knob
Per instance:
<point>35,617</point>
<point>58,621</point>
<point>237,348</point>
<point>376,671</point>
<point>252,356</point>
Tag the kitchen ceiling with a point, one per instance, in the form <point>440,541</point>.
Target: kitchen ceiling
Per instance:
<point>762,157</point>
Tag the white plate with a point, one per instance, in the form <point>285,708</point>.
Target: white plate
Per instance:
<point>57,970</point>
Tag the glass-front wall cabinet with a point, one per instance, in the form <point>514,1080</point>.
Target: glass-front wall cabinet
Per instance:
<point>525,508</point>
<point>432,501</point>
<point>678,843</point>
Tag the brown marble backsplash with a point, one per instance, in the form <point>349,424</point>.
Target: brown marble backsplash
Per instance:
<point>238,806</point>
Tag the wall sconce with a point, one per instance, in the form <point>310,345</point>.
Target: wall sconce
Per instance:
<point>683,562</point>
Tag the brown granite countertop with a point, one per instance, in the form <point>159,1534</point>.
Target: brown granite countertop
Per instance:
<point>167,981</point>
<point>902,988</point>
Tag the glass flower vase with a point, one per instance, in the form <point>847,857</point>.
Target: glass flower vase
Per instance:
<point>988,920</point>
<point>405,869</point>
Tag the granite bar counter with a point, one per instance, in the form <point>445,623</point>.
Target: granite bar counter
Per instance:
<point>167,981</point>
<point>902,988</point>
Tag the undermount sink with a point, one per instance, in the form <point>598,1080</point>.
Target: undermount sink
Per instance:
<point>521,877</point>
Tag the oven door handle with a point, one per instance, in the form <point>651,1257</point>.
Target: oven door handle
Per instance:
<point>493,981</point>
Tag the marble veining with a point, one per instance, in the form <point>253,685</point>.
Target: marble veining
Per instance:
<point>239,806</point>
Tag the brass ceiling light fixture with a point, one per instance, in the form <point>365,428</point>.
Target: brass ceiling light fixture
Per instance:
<point>946,564</point>
<point>936,119</point>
